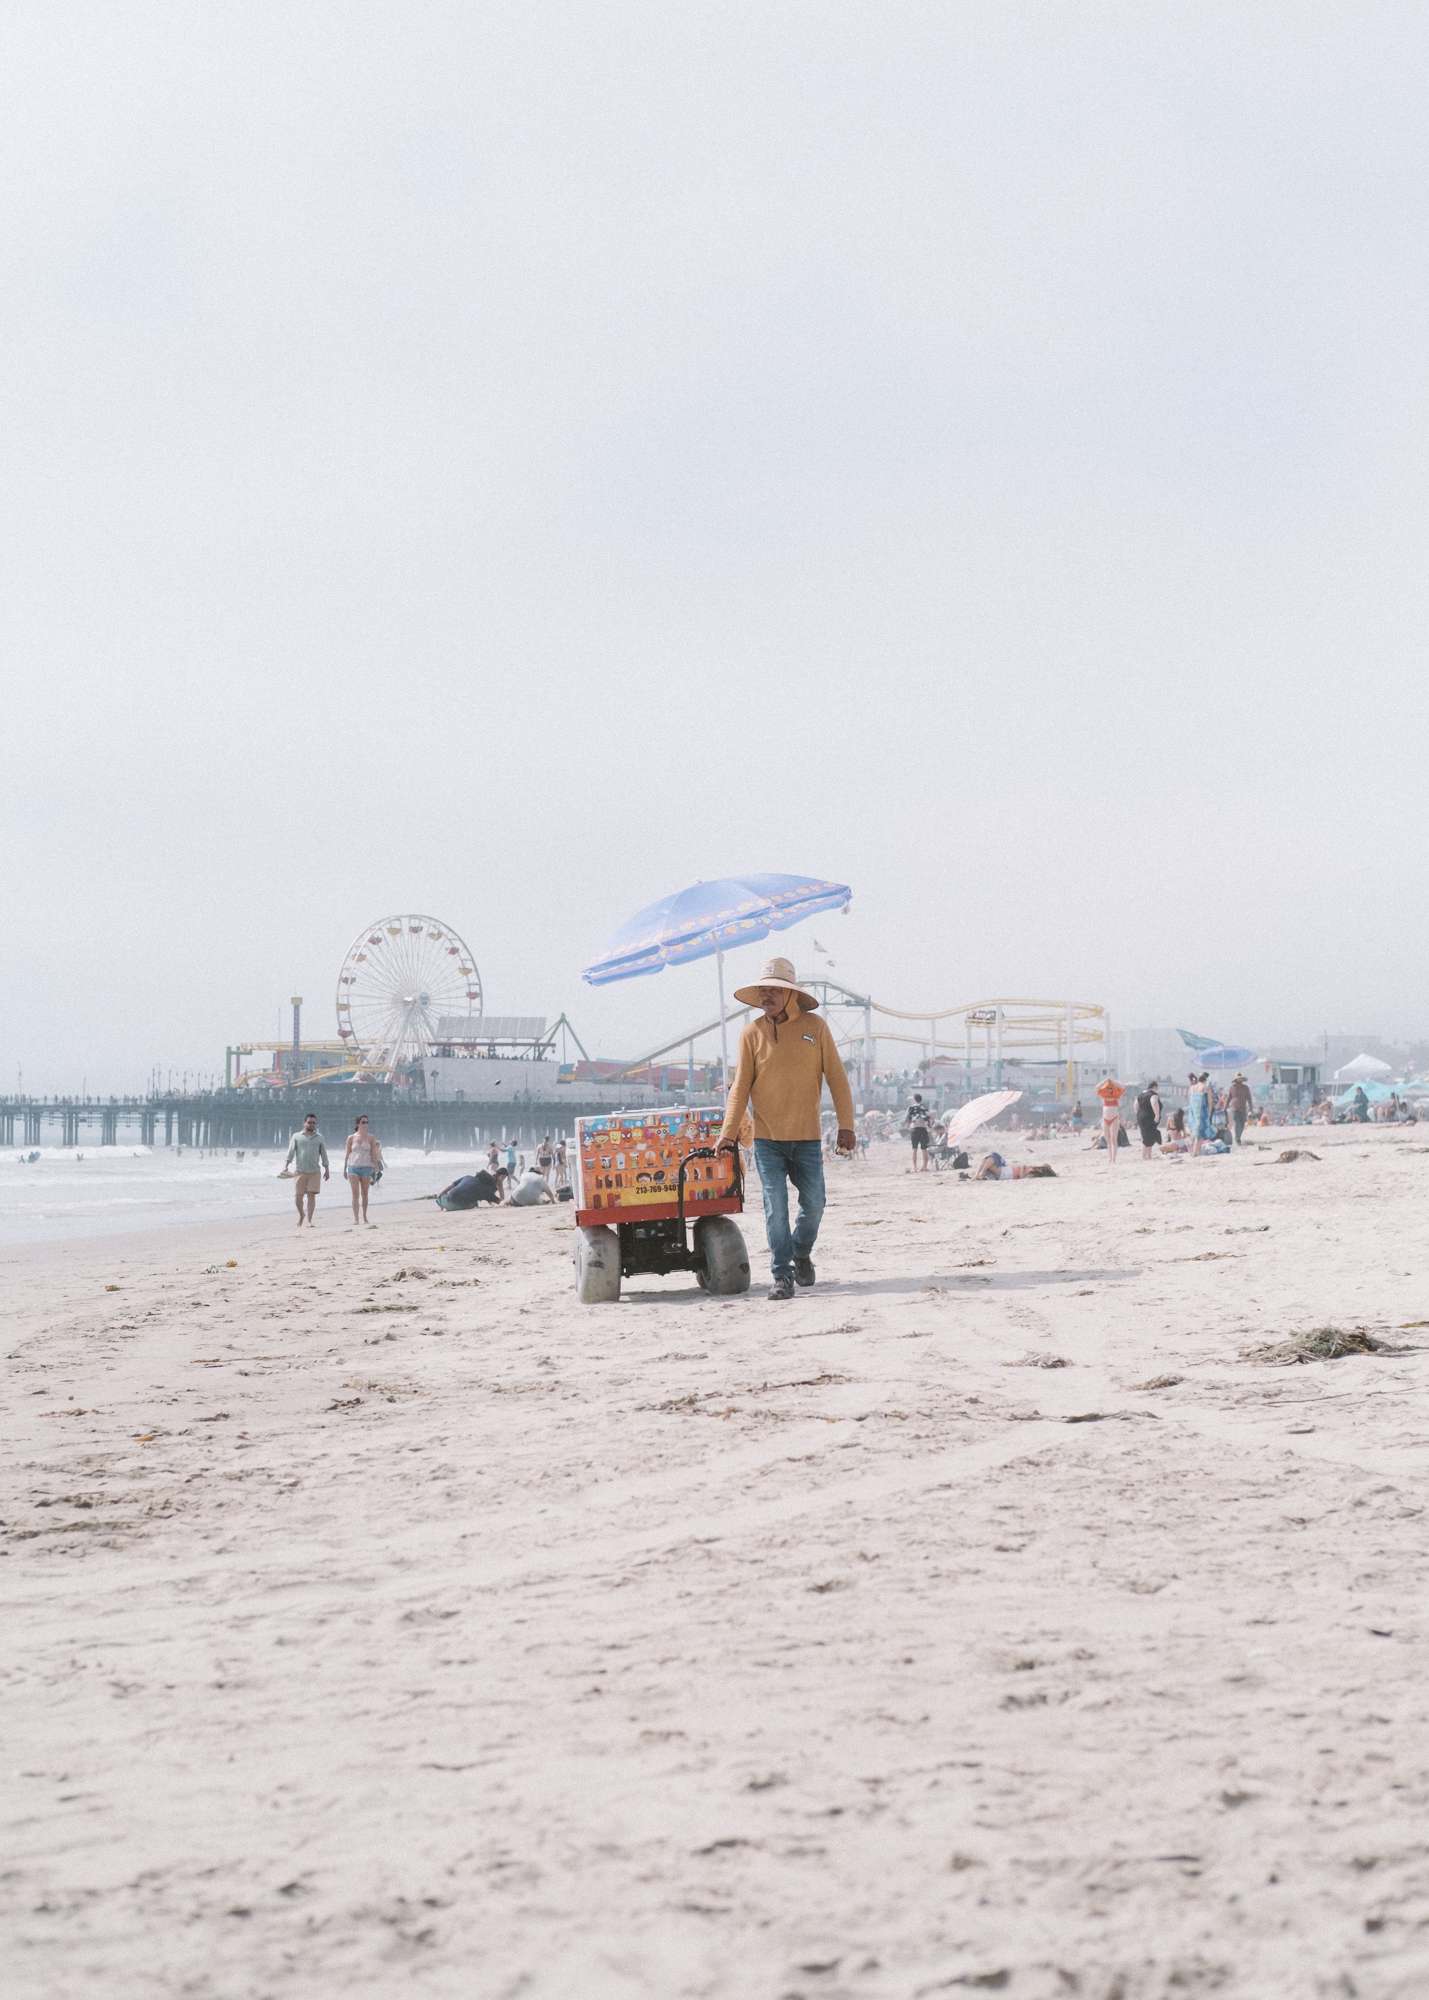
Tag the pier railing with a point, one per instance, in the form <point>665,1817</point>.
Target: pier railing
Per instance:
<point>225,1118</point>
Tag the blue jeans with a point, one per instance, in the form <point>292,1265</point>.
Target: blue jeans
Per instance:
<point>780,1161</point>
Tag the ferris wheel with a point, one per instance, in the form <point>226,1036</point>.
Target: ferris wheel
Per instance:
<point>405,983</point>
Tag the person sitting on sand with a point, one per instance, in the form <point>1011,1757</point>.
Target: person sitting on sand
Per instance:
<point>306,1154</point>
<point>532,1189</point>
<point>1175,1140</point>
<point>362,1166</point>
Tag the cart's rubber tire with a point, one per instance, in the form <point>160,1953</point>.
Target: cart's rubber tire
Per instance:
<point>597,1262</point>
<point>723,1257</point>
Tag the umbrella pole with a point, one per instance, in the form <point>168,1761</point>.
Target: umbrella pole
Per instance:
<point>723,1030</point>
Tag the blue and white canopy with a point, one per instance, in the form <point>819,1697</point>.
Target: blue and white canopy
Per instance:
<point>1211,1054</point>
<point>711,917</point>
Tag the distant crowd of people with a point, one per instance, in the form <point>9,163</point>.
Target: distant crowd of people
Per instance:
<point>510,1180</point>
<point>1391,1110</point>
<point>507,1179</point>
<point>1211,1120</point>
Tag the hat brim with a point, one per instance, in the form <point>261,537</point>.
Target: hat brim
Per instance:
<point>748,996</point>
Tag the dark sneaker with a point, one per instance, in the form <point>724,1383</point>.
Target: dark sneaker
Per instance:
<point>803,1270</point>
<point>782,1288</point>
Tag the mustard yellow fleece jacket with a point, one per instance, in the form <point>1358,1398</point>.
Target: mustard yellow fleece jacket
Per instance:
<point>782,1069</point>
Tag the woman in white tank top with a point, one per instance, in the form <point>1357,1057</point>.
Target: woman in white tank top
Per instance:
<point>362,1166</point>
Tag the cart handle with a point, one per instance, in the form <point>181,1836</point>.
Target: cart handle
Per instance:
<point>707,1153</point>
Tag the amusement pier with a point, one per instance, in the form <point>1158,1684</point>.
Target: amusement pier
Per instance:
<point>417,1051</point>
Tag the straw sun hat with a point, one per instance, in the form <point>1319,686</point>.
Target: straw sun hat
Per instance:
<point>778,972</point>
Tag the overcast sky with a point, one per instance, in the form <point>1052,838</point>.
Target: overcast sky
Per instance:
<point>508,460</point>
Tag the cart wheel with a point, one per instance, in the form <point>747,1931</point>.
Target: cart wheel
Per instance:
<point>722,1260</point>
<point>597,1262</point>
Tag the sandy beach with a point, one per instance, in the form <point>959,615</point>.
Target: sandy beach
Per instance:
<point>379,1620</point>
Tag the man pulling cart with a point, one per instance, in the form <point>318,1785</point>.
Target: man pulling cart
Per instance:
<point>786,1056</point>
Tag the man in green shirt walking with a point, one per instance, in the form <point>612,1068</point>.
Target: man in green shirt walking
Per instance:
<point>306,1154</point>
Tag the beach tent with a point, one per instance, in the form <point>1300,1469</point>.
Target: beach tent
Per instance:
<point>1377,1093</point>
<point>1362,1067</point>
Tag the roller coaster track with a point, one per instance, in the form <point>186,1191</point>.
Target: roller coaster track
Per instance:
<point>1056,1008</point>
<point>1059,1024</point>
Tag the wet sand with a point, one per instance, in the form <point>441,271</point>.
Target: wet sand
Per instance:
<point>381,1621</point>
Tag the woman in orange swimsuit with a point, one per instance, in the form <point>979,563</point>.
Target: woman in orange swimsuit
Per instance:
<point>1110,1092</point>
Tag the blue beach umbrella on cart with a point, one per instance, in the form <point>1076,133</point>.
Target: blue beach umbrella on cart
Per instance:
<point>707,920</point>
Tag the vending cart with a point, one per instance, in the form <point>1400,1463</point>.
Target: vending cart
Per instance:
<point>653,1195</point>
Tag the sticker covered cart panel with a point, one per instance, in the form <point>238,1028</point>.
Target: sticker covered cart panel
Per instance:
<point>627,1166</point>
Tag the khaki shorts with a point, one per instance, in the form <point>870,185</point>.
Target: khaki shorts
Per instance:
<point>307,1183</point>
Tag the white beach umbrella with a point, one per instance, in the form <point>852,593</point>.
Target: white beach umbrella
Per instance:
<point>978,1112</point>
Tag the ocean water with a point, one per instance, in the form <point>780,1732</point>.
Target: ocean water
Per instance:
<point>111,1190</point>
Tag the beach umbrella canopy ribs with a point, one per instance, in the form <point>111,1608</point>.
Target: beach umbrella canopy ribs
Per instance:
<point>708,919</point>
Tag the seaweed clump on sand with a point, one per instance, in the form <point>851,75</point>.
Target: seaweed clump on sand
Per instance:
<point>1321,1343</point>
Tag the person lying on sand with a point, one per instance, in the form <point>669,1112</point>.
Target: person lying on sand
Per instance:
<point>995,1168</point>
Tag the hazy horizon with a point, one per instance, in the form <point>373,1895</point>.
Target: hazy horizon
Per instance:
<point>506,463</point>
